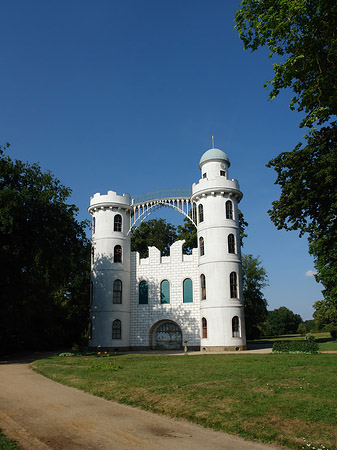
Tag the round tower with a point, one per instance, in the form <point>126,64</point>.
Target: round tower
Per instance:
<point>110,271</point>
<point>221,302</point>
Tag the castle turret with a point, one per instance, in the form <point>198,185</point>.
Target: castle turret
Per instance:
<point>221,304</point>
<point>110,274</point>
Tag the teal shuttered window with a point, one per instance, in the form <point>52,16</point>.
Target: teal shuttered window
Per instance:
<point>143,293</point>
<point>164,292</point>
<point>188,291</point>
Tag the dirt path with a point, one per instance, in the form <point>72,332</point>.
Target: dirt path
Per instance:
<point>41,414</point>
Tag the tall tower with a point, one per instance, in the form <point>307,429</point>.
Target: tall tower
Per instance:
<point>110,274</point>
<point>221,303</point>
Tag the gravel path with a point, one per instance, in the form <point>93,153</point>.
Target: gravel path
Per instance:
<point>41,414</point>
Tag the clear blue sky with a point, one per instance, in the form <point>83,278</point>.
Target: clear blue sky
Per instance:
<point>125,95</point>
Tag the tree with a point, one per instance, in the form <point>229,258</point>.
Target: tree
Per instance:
<point>325,315</point>
<point>154,232</point>
<point>303,34</point>
<point>283,321</point>
<point>45,260</point>
<point>254,279</point>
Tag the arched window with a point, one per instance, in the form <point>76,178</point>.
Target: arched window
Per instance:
<point>231,243</point>
<point>91,292</point>
<point>117,292</point>
<point>143,293</point>
<point>90,330</point>
<point>117,329</point>
<point>201,213</point>
<point>201,246</point>
<point>203,286</point>
<point>164,292</point>
<point>229,210</point>
<point>117,254</point>
<point>188,291</point>
<point>118,222</point>
<point>93,225</point>
<point>233,285</point>
<point>92,255</point>
<point>204,328</point>
<point>235,327</point>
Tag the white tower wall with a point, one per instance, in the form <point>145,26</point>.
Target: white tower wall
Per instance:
<point>105,270</point>
<point>212,192</point>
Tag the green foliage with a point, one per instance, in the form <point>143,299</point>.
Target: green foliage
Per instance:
<point>302,34</point>
<point>283,321</point>
<point>45,260</point>
<point>254,279</point>
<point>154,232</point>
<point>188,233</point>
<point>305,346</point>
<point>325,315</point>
<point>333,333</point>
<point>302,329</point>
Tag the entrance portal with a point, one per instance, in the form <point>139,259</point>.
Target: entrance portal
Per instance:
<point>167,336</point>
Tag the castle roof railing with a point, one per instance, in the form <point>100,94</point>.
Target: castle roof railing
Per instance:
<point>157,195</point>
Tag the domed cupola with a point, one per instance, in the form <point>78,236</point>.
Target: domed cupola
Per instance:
<point>214,154</point>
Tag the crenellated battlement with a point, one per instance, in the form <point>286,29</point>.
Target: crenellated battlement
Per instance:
<point>155,258</point>
<point>110,199</point>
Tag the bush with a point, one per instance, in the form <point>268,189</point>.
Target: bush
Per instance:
<point>302,329</point>
<point>306,346</point>
<point>333,333</point>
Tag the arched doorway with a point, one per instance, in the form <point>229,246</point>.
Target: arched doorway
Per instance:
<point>166,335</point>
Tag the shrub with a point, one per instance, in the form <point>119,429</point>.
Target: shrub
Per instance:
<point>302,329</point>
<point>333,333</point>
<point>306,346</point>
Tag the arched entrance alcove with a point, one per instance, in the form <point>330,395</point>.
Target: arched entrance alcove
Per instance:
<point>166,335</point>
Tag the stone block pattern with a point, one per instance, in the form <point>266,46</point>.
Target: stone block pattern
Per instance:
<point>154,269</point>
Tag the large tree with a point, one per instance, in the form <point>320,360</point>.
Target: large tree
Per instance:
<point>283,321</point>
<point>302,34</point>
<point>45,260</point>
<point>154,232</point>
<point>254,279</point>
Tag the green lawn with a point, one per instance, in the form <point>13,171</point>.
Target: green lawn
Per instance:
<point>6,444</point>
<point>280,399</point>
<point>324,340</point>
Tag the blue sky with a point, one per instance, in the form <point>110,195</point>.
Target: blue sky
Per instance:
<point>125,95</point>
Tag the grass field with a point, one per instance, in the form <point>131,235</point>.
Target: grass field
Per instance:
<point>6,444</point>
<point>288,400</point>
<point>324,340</point>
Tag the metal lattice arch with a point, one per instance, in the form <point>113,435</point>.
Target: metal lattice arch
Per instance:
<point>145,204</point>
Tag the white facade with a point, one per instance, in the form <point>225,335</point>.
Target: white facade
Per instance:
<point>164,301</point>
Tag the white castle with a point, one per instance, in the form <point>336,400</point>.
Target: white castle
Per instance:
<point>166,302</point>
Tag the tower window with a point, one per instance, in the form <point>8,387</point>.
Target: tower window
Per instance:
<point>143,293</point>
<point>91,292</point>
<point>204,175</point>
<point>201,213</point>
<point>117,254</point>
<point>233,285</point>
<point>222,173</point>
<point>164,292</point>
<point>231,243</point>
<point>201,246</point>
<point>116,329</point>
<point>229,210</point>
<point>90,329</point>
<point>117,292</point>
<point>203,286</point>
<point>187,291</point>
<point>235,327</point>
<point>204,327</point>
<point>118,222</point>
<point>92,255</point>
<point>93,225</point>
